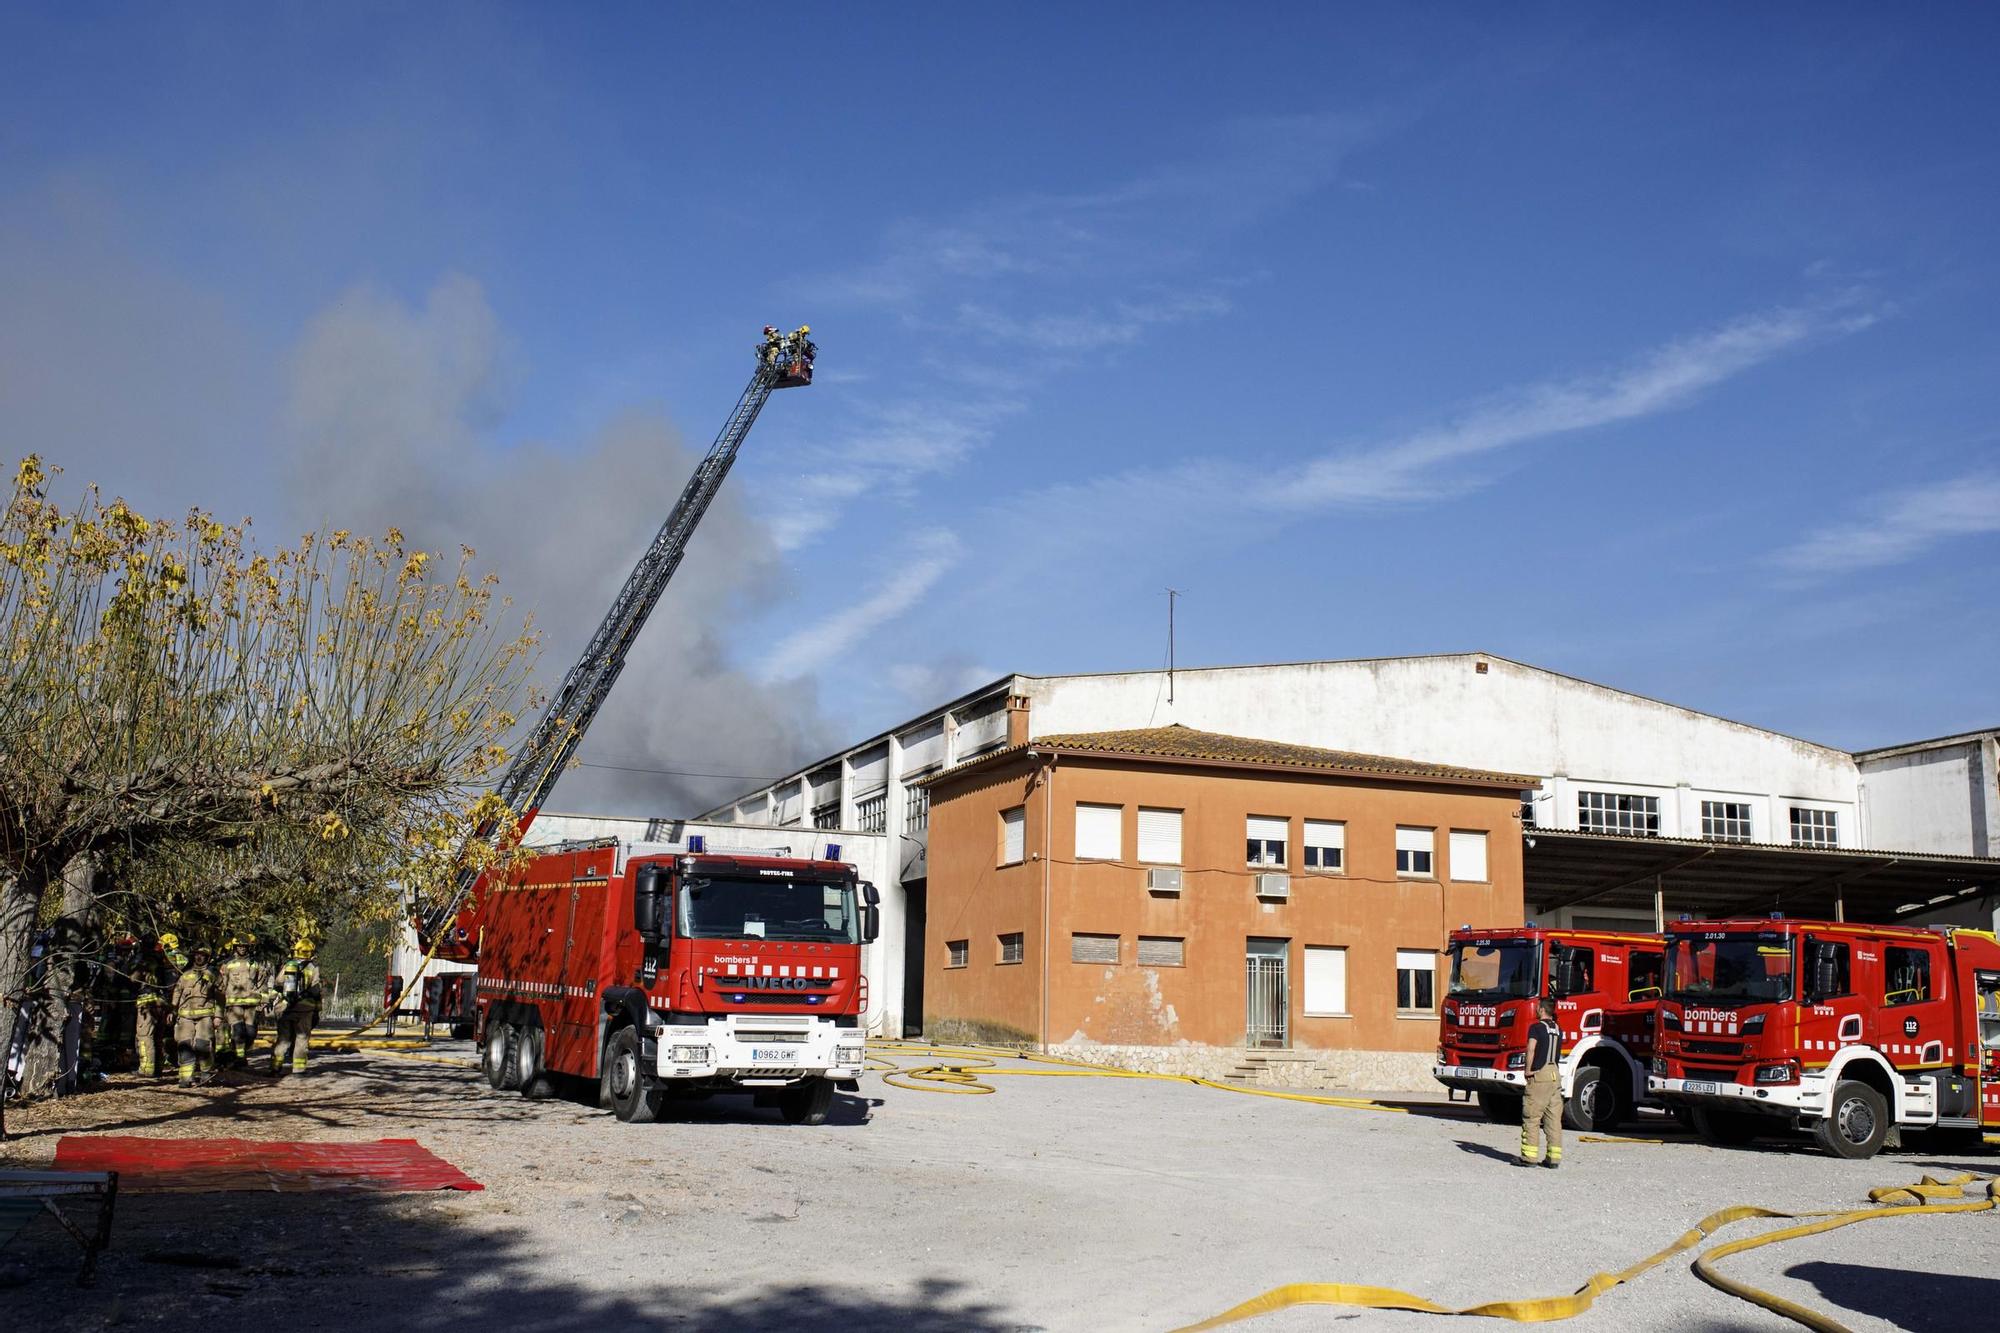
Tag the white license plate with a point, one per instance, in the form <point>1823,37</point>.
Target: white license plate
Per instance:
<point>777,1056</point>
<point>1697,1085</point>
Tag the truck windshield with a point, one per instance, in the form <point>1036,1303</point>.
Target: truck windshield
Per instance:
<point>1731,967</point>
<point>770,909</point>
<point>1507,968</point>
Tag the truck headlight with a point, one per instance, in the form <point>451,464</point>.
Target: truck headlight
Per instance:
<point>1518,1060</point>
<point>1660,1065</point>
<point>689,1055</point>
<point>849,1055</point>
<point>1781,1073</point>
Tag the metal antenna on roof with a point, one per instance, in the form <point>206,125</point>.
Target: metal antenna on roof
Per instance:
<point>1172,595</point>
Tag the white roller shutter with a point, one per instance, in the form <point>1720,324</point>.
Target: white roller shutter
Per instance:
<point>1013,833</point>
<point>1326,980</point>
<point>1266,829</point>
<point>1468,855</point>
<point>1159,836</point>
<point>1099,836</point>
<point>1413,839</point>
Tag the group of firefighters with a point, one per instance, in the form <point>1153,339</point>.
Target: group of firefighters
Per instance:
<point>184,1013</point>
<point>795,349</point>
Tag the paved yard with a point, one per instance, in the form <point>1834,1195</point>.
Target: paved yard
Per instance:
<point>1058,1203</point>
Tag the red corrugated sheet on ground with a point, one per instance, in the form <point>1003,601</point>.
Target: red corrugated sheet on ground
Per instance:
<point>249,1164</point>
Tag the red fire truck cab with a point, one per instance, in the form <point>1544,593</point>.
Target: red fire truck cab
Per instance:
<point>1849,1031</point>
<point>1606,986</point>
<point>661,972</point>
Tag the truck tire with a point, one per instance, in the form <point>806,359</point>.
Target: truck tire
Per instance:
<point>1596,1103</point>
<point>1856,1123</point>
<point>497,1056</point>
<point>808,1103</point>
<point>1500,1107</point>
<point>1729,1129</point>
<point>625,1082</point>
<point>529,1076</point>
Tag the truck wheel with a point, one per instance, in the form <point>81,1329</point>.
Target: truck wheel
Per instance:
<point>1729,1129</point>
<point>1500,1108</point>
<point>624,1081</point>
<point>528,1074</point>
<point>808,1103</point>
<point>498,1056</point>
<point>1856,1123</point>
<point>1594,1104</point>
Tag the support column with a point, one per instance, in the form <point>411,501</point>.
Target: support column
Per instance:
<point>1660,903</point>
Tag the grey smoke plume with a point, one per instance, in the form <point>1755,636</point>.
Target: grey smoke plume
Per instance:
<point>390,408</point>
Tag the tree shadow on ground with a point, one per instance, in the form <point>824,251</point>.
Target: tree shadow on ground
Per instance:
<point>1906,1297</point>
<point>226,1262</point>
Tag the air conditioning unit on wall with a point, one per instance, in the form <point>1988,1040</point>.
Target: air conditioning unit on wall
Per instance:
<point>1274,884</point>
<point>1163,881</point>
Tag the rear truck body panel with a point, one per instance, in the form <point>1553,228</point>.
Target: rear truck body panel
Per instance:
<point>560,952</point>
<point>1606,1018</point>
<point>1914,1013</point>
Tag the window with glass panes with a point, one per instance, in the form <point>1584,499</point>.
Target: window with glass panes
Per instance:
<point>1325,844</point>
<point>1416,980</point>
<point>1815,828</point>
<point>1264,840</point>
<point>1617,812</point>
<point>1725,821</point>
<point>1414,848</point>
<point>1011,947</point>
<point>955,952</point>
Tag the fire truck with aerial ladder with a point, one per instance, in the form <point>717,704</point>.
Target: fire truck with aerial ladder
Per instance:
<point>1606,986</point>
<point>658,969</point>
<point>1853,1032</point>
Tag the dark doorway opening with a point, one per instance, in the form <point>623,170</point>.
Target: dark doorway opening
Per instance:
<point>914,893</point>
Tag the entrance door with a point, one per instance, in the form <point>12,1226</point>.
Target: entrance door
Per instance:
<point>914,915</point>
<point>1268,992</point>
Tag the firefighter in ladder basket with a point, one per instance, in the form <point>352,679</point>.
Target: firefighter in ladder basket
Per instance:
<point>1542,1114</point>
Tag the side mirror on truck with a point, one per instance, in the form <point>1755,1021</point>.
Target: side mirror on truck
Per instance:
<point>871,913</point>
<point>650,895</point>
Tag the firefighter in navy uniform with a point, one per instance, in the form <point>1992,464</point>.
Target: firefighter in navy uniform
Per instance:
<point>297,989</point>
<point>1541,1114</point>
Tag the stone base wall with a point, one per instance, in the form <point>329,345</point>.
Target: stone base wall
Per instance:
<point>1371,1071</point>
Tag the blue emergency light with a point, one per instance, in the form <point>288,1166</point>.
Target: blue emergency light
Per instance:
<point>697,842</point>
<point>833,851</point>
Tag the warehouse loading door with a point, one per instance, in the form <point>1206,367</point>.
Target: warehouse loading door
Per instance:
<point>1268,992</point>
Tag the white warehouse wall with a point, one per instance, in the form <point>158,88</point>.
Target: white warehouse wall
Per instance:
<point>1940,796</point>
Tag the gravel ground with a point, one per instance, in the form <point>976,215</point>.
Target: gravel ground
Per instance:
<point>1058,1203</point>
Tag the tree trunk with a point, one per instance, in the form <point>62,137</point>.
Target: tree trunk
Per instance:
<point>55,1052</point>
<point>20,905</point>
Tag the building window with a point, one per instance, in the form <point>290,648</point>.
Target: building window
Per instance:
<point>1413,851</point>
<point>871,813</point>
<point>1100,832</point>
<point>827,816</point>
<point>1416,981</point>
<point>1011,947</point>
<point>916,809</point>
<point>1468,856</point>
<point>1093,948</point>
<point>1528,809</point>
<point>1615,812</point>
<point>1815,828</point>
<point>1725,821</point>
<point>1013,835</point>
<point>1265,840</point>
<point>1159,837</point>
<point>1326,844</point>
<point>1326,981</point>
<point>1162,951</point>
<point>956,952</point>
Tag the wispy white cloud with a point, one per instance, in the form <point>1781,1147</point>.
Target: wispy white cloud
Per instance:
<point>1413,468</point>
<point>807,651</point>
<point>1900,527</point>
<point>1120,324</point>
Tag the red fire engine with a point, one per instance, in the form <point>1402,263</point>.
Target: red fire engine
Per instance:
<point>662,971</point>
<point>1606,987</point>
<point>1850,1031</point>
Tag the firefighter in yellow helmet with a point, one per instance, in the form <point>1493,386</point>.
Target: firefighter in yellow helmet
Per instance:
<point>197,1010</point>
<point>155,1015</point>
<point>297,989</point>
<point>245,990</point>
<point>774,343</point>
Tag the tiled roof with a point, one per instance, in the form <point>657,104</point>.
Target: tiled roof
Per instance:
<point>1179,742</point>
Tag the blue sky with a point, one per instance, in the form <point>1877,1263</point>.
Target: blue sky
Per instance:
<point>1654,348</point>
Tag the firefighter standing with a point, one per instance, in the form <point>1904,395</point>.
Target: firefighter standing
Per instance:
<point>155,1013</point>
<point>297,990</point>
<point>244,992</point>
<point>1541,1115</point>
<point>197,1008</point>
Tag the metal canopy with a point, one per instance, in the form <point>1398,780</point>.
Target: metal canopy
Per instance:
<point>1709,880</point>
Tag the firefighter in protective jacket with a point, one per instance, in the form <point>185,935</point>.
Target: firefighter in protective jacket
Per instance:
<point>1541,1115</point>
<point>244,991</point>
<point>298,993</point>
<point>155,1016</point>
<point>197,1011</point>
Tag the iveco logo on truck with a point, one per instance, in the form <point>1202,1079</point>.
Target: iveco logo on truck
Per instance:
<point>770,983</point>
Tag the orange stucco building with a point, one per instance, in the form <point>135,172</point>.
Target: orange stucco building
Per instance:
<point>1168,897</point>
